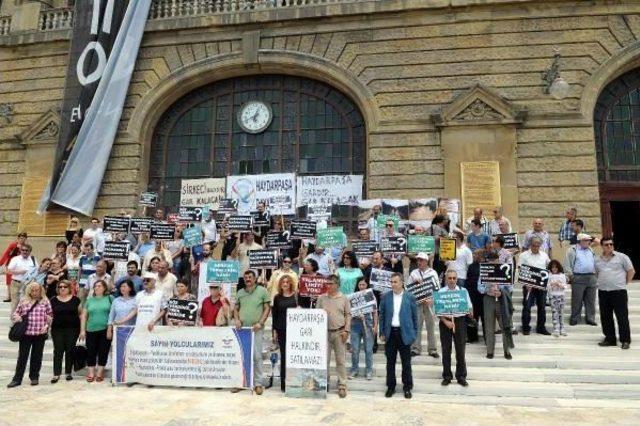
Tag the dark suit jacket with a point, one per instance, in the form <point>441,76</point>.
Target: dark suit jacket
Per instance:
<point>408,317</point>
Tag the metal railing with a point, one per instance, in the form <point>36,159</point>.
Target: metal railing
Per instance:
<point>55,19</point>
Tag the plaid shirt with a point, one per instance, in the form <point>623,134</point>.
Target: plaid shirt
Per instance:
<point>566,233</point>
<point>39,316</point>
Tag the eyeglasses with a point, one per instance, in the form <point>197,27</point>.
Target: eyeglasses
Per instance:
<point>452,278</point>
<point>390,225</point>
<point>63,286</point>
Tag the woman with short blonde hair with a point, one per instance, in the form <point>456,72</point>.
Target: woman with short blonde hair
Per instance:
<point>37,310</point>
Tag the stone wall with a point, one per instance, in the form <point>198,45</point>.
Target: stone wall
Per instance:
<point>400,67</point>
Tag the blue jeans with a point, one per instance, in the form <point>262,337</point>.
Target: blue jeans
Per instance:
<point>362,331</point>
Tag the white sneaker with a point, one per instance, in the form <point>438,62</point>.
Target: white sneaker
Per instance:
<point>369,376</point>
<point>556,334</point>
<point>563,333</point>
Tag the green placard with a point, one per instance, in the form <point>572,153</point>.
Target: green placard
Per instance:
<point>421,243</point>
<point>452,302</point>
<point>382,219</point>
<point>330,237</point>
<point>223,271</point>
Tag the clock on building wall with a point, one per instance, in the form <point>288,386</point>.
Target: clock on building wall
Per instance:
<point>255,116</point>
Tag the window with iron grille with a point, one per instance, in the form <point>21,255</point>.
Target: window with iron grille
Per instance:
<point>315,130</point>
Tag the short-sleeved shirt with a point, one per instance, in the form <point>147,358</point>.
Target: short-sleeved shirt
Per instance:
<point>337,308</point>
<point>612,273</point>
<point>65,314</point>
<point>464,291</point>
<point>349,279</point>
<point>149,306</point>
<point>251,304</point>
<point>209,311</point>
<point>98,309</point>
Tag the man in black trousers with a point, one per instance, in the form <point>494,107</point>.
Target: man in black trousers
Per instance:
<point>454,329</point>
<point>398,328</point>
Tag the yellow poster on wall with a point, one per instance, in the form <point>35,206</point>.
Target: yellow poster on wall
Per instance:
<point>447,249</point>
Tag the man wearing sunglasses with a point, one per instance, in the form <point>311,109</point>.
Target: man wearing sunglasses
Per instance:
<point>614,271</point>
<point>20,267</point>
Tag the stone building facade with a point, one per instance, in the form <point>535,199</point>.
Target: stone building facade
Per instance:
<point>437,82</point>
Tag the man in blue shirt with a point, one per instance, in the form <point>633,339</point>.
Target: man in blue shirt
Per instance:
<point>132,274</point>
<point>580,268</point>
<point>478,239</point>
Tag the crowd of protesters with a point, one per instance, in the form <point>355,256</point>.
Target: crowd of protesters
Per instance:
<point>76,295</point>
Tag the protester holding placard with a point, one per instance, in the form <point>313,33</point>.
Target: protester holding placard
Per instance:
<point>464,258</point>
<point>252,310</point>
<point>182,296</point>
<point>495,306</point>
<point>151,304</point>
<point>348,272</point>
<point>241,253</point>
<point>454,329</point>
<point>364,328</point>
<point>283,300</point>
<point>557,286</point>
<point>536,257</point>
<point>424,276</point>
<point>284,270</point>
<point>310,270</point>
<point>398,328</point>
<point>339,324</point>
<point>93,329</point>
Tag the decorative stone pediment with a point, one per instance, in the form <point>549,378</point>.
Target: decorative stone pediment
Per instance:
<point>478,106</point>
<point>44,130</point>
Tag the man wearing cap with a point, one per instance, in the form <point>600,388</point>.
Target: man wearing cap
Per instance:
<point>151,304</point>
<point>338,311</point>
<point>580,268</point>
<point>213,308</point>
<point>428,277</point>
<point>252,310</point>
<point>615,271</point>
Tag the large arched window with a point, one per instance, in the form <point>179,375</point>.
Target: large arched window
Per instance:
<point>617,130</point>
<point>315,130</point>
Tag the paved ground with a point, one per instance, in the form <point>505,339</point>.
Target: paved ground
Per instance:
<point>538,388</point>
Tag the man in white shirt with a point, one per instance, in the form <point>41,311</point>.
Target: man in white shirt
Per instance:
<point>424,274</point>
<point>208,227</point>
<point>464,258</point>
<point>94,235</point>
<point>494,224</point>
<point>539,259</point>
<point>477,214</point>
<point>166,281</point>
<point>160,252</point>
<point>100,274</point>
<point>151,304</point>
<point>20,267</point>
<point>324,260</point>
<point>372,225</point>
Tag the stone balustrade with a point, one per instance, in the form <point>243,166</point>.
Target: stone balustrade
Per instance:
<point>55,19</point>
<point>5,25</point>
<point>166,9</point>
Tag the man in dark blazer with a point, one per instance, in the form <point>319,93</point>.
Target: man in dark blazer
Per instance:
<point>398,328</point>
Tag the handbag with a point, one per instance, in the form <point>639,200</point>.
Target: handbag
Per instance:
<point>79,355</point>
<point>19,328</point>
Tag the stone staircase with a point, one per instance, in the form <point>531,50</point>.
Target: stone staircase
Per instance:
<point>545,371</point>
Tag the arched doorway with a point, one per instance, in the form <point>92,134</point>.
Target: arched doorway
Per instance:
<point>315,130</point>
<point>617,132</point>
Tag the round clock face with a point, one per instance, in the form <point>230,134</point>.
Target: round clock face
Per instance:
<point>254,116</point>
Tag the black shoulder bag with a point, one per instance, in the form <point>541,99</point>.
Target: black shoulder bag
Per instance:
<point>18,329</point>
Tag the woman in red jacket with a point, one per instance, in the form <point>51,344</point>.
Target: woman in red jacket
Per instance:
<point>11,251</point>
